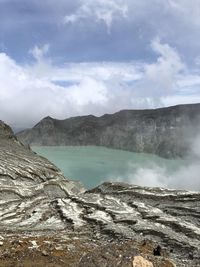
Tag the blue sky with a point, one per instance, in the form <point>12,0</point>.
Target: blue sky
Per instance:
<point>66,58</point>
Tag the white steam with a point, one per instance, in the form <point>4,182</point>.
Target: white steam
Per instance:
<point>186,176</point>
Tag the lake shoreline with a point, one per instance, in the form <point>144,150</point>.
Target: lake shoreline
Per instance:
<point>93,165</point>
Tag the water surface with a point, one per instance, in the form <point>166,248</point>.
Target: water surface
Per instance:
<point>94,165</point>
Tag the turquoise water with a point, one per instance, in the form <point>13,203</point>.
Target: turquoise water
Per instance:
<point>94,165</point>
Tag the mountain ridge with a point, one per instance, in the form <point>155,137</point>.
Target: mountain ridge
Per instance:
<point>167,132</point>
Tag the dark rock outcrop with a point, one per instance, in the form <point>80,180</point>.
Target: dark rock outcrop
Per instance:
<point>34,196</point>
<point>167,132</point>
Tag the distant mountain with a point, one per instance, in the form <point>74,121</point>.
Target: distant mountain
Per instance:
<point>167,132</point>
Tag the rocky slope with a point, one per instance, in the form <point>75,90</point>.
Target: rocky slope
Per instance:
<point>167,132</point>
<point>28,181</point>
<point>34,196</point>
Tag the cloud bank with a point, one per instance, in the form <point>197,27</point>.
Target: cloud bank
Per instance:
<point>32,91</point>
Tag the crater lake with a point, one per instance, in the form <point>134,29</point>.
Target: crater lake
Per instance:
<point>94,165</point>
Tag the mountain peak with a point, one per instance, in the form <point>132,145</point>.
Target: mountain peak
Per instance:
<point>5,130</point>
<point>47,118</point>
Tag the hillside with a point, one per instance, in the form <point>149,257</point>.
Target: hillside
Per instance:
<point>167,132</point>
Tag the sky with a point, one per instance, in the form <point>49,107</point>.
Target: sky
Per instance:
<point>66,58</point>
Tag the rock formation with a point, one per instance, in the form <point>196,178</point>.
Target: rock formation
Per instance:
<point>27,183</point>
<point>139,261</point>
<point>34,196</point>
<point>167,132</point>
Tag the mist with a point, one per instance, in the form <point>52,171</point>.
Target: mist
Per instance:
<point>185,177</point>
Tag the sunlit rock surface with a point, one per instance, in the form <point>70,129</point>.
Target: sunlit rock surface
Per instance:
<point>28,182</point>
<point>34,196</point>
<point>168,132</point>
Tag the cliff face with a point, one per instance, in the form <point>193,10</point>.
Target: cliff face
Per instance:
<point>34,196</point>
<point>167,132</point>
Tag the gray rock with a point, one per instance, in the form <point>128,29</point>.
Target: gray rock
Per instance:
<point>45,253</point>
<point>111,255</point>
<point>28,183</point>
<point>35,196</point>
<point>167,132</point>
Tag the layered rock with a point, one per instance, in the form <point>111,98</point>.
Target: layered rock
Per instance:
<point>27,182</point>
<point>34,196</point>
<point>167,132</point>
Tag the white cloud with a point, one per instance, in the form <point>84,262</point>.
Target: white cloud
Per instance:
<point>102,71</point>
<point>172,100</point>
<point>29,93</point>
<point>88,91</point>
<point>39,52</point>
<point>164,72</point>
<point>155,13</point>
<point>99,10</point>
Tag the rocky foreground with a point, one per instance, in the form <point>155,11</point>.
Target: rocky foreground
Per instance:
<point>167,132</point>
<point>47,220</point>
